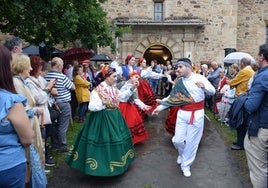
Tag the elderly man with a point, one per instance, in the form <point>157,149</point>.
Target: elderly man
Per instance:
<point>189,94</point>
<point>240,83</point>
<point>14,44</point>
<point>256,140</point>
<point>214,78</point>
<point>63,85</point>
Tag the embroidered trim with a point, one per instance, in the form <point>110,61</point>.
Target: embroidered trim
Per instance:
<point>129,154</point>
<point>93,164</point>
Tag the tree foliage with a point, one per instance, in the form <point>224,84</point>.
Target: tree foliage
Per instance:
<point>56,21</point>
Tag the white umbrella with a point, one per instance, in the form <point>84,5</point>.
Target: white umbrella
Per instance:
<point>235,57</point>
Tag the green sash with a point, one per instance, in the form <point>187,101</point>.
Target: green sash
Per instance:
<point>179,95</point>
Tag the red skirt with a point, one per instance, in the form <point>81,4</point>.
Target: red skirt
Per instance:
<point>147,96</point>
<point>134,122</point>
<point>171,120</point>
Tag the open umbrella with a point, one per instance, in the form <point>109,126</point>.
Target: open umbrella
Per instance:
<point>100,57</point>
<point>31,50</point>
<point>235,57</point>
<point>76,54</point>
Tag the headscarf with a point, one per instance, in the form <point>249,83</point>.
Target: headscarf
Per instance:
<point>107,71</point>
<point>134,72</point>
<point>141,59</point>
<point>128,58</point>
<point>185,61</point>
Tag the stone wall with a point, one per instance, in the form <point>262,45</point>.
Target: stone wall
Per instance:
<point>239,24</point>
<point>230,24</point>
<point>251,27</point>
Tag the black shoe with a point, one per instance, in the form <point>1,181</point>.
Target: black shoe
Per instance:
<point>50,162</point>
<point>62,149</point>
<point>55,147</point>
<point>234,143</point>
<point>236,147</point>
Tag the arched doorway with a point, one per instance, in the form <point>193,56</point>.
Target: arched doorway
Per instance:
<point>158,52</point>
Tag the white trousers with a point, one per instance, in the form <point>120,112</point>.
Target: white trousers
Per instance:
<point>187,137</point>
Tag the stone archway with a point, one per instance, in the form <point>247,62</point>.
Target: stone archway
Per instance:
<point>161,47</point>
<point>159,53</point>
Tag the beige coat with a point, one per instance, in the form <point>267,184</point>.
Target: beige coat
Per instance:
<point>22,89</point>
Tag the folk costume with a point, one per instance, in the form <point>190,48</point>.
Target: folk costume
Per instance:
<point>190,116</point>
<point>103,145</point>
<point>145,91</point>
<point>170,122</point>
<point>128,107</point>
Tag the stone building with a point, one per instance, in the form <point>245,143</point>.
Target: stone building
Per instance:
<point>201,30</point>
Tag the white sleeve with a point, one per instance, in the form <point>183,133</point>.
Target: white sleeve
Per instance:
<point>95,103</point>
<point>140,104</point>
<point>155,75</point>
<point>161,107</point>
<point>40,96</point>
<point>146,73</point>
<point>125,92</point>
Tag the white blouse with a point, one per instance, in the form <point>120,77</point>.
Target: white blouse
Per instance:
<point>126,87</point>
<point>96,103</point>
<point>149,73</point>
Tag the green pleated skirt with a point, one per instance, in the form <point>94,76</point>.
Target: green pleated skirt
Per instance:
<point>103,145</point>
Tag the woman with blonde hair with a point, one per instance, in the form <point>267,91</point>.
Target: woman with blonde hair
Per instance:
<point>21,67</point>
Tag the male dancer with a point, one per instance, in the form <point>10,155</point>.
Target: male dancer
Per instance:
<point>189,94</point>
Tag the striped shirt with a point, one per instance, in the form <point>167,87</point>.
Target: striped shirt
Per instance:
<point>63,85</point>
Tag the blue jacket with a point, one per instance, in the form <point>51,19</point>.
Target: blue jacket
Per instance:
<point>257,102</point>
<point>237,113</point>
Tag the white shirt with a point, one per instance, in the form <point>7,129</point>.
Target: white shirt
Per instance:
<point>149,73</point>
<point>126,87</point>
<point>196,92</point>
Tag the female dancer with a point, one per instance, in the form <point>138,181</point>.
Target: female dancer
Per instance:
<point>128,108</point>
<point>145,92</point>
<point>103,145</point>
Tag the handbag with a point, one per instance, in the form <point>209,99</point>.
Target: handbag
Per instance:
<point>54,111</point>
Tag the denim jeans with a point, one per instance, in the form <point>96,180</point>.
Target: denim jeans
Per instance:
<point>13,177</point>
<point>63,122</point>
<point>82,107</point>
<point>153,83</point>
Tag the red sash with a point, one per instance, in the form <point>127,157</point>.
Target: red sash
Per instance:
<point>193,107</point>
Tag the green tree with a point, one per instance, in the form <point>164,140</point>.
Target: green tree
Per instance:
<point>56,21</point>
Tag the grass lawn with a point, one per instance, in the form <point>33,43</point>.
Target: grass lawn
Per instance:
<point>230,136</point>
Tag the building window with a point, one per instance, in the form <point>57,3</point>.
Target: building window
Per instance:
<point>158,11</point>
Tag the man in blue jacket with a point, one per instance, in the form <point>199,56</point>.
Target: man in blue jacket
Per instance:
<point>256,140</point>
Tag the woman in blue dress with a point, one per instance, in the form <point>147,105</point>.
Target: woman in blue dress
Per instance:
<point>15,130</point>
